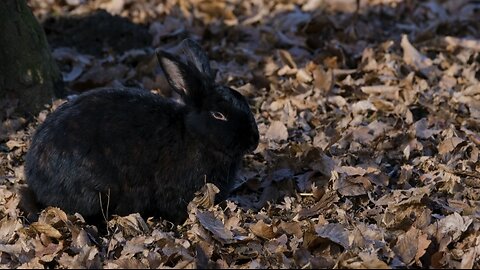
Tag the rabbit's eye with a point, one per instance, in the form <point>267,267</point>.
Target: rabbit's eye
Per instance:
<point>218,116</point>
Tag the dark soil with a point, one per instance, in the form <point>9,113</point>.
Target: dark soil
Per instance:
<point>97,33</point>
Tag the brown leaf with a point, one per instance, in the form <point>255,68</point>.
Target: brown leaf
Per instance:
<point>124,263</point>
<point>303,76</point>
<point>49,252</point>
<point>80,239</point>
<point>204,251</point>
<point>277,245</point>
<point>406,247</point>
<point>363,106</point>
<point>423,244</point>
<point>87,258</point>
<point>349,170</point>
<point>352,186</point>
<point>404,197</point>
<point>131,225</point>
<point>53,215</point>
<point>469,258</point>
<point>413,57</point>
<point>422,131</point>
<point>453,42</point>
<point>11,144</point>
<point>32,264</point>
<point>133,246</point>
<point>215,226</point>
<point>287,58</point>
<point>47,229</point>
<point>277,131</point>
<point>452,225</point>
<point>292,228</point>
<point>388,91</point>
<point>205,197</point>
<point>324,203</point>
<point>371,261</point>
<point>8,228</point>
<point>323,80</point>
<point>263,230</point>
<point>449,144</point>
<point>334,232</point>
<point>411,245</point>
<point>11,249</point>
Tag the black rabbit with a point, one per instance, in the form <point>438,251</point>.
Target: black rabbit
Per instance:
<point>125,151</point>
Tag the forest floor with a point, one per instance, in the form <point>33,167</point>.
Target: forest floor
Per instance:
<point>369,126</point>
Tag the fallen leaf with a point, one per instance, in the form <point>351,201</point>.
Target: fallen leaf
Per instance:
<point>11,144</point>
<point>469,258</point>
<point>371,261</point>
<point>131,225</point>
<point>422,131</point>
<point>263,230</point>
<point>453,225</point>
<point>334,232</point>
<point>413,57</point>
<point>423,244</point>
<point>325,202</point>
<point>387,91</point>
<point>8,228</point>
<point>205,197</point>
<point>277,131</point>
<point>47,229</point>
<point>468,43</point>
<point>349,170</point>
<point>449,144</point>
<point>291,228</point>
<point>215,226</point>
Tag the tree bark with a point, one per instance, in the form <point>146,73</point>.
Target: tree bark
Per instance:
<point>28,72</point>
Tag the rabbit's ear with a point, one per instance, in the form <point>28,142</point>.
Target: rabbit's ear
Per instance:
<point>183,79</point>
<point>197,56</point>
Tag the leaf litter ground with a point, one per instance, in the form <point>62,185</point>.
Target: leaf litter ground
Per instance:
<point>369,122</point>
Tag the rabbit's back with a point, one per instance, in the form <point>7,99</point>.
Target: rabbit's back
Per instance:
<point>101,151</point>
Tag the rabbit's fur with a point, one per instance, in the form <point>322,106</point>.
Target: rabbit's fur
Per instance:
<point>126,151</point>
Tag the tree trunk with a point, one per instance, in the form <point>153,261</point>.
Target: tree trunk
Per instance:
<point>28,72</point>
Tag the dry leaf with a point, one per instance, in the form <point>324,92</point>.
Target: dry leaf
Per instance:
<point>449,144</point>
<point>335,233</point>
<point>263,230</point>
<point>453,42</point>
<point>349,170</point>
<point>413,57</point>
<point>11,144</point>
<point>469,258</point>
<point>423,244</point>
<point>422,131</point>
<point>204,198</point>
<point>371,261</point>
<point>47,229</point>
<point>325,202</point>
<point>387,91</point>
<point>131,225</point>
<point>277,131</point>
<point>356,132</point>
<point>215,226</point>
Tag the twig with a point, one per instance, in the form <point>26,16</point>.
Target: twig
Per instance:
<point>460,172</point>
<point>105,217</point>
